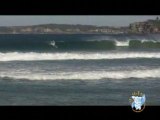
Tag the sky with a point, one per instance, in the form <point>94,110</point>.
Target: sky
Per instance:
<point>68,19</point>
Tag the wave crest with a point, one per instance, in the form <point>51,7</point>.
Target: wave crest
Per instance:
<point>90,75</point>
<point>51,45</point>
<point>32,56</point>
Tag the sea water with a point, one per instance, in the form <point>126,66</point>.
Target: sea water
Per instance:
<point>78,69</point>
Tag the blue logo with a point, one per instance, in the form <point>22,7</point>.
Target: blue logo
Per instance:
<point>137,101</point>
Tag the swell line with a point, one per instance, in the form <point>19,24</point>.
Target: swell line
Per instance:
<point>33,56</point>
<point>84,75</point>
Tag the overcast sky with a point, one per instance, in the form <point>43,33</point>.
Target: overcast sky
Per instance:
<point>61,19</point>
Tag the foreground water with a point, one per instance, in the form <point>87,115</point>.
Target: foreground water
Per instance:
<point>78,69</point>
<point>76,92</point>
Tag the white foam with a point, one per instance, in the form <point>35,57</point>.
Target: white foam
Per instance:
<point>122,43</point>
<point>145,40</point>
<point>32,56</point>
<point>86,75</point>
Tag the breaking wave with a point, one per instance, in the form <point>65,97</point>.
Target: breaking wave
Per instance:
<point>122,43</point>
<point>33,56</point>
<point>90,75</point>
<point>108,44</point>
<point>51,45</point>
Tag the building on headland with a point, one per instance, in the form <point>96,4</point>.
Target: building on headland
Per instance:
<point>149,26</point>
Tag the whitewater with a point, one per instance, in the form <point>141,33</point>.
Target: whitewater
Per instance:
<point>84,75</point>
<point>33,56</point>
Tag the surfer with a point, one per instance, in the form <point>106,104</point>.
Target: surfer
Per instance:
<point>54,44</point>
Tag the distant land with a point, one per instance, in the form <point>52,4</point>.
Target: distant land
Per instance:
<point>149,26</point>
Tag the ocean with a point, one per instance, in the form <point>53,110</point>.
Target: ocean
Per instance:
<point>79,69</point>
